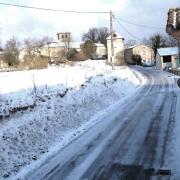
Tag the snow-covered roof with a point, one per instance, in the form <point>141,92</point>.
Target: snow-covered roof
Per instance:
<point>168,51</point>
<point>61,44</point>
<point>75,45</point>
<point>116,35</point>
<point>52,44</point>
<point>131,47</point>
<point>99,45</point>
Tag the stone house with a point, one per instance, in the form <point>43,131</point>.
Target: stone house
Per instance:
<point>146,53</point>
<point>54,49</point>
<point>118,44</point>
<point>167,58</point>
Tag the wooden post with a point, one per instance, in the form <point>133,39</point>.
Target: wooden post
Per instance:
<point>49,52</point>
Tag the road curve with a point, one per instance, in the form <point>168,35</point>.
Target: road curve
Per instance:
<point>132,143</point>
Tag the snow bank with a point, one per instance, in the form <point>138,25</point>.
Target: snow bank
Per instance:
<point>64,99</point>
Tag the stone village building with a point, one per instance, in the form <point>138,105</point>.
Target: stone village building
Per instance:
<point>146,53</point>
<point>118,45</point>
<point>170,57</point>
<point>167,58</point>
<point>124,55</point>
<point>53,49</point>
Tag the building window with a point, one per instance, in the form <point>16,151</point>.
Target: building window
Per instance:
<point>62,36</point>
<point>166,59</point>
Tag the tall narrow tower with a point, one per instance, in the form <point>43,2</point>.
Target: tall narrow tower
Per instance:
<point>64,39</point>
<point>118,48</point>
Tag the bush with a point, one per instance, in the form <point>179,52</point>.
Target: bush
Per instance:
<point>72,55</point>
<point>81,56</point>
<point>137,59</point>
<point>88,49</point>
<point>38,62</point>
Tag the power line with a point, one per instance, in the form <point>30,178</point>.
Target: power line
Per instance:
<point>126,29</point>
<point>140,25</point>
<point>57,10</point>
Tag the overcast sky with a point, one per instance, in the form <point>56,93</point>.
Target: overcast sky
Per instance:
<point>23,23</point>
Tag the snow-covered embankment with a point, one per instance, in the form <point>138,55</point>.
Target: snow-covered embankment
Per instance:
<point>64,102</point>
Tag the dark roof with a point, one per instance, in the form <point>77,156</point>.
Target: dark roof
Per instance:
<point>115,36</point>
<point>173,21</point>
<point>174,18</point>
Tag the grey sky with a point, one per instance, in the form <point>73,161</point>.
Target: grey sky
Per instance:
<point>23,23</point>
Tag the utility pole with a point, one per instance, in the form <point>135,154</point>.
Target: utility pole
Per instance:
<point>112,45</point>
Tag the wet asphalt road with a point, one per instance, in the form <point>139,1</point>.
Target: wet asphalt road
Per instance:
<point>134,142</point>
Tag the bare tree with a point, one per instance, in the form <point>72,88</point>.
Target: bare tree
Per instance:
<point>156,41</point>
<point>130,42</point>
<point>12,52</point>
<point>91,35</point>
<point>32,58</point>
<point>39,42</point>
<point>97,35</point>
<point>33,46</point>
<point>31,50</point>
<point>103,33</point>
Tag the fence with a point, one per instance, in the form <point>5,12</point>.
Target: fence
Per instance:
<point>175,71</point>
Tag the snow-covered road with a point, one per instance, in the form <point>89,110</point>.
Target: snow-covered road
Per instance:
<point>136,140</point>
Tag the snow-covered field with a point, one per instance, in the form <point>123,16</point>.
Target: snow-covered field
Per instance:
<point>41,109</point>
